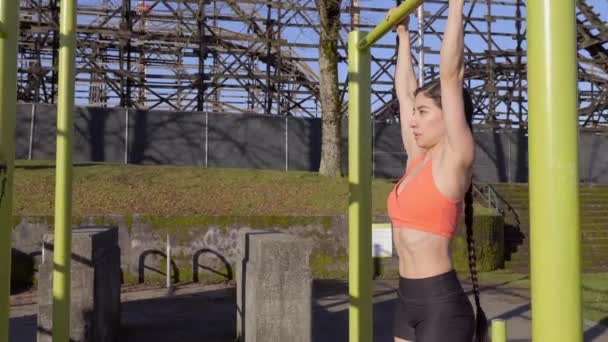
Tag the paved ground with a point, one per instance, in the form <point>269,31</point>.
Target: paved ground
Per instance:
<point>193,313</point>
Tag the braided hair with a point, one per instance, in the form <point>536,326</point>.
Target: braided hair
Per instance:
<point>433,91</point>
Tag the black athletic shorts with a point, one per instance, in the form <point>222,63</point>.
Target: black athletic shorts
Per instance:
<point>434,309</point>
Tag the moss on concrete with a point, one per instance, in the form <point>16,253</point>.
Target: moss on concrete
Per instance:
<point>325,266</point>
<point>129,278</point>
<point>488,235</point>
<point>187,191</point>
<point>174,223</point>
<point>327,262</point>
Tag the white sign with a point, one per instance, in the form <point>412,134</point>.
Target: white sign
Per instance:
<point>382,240</point>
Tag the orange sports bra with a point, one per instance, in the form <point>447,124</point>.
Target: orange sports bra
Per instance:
<point>421,206</point>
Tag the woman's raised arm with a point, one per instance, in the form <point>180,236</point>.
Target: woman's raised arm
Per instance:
<point>459,136</point>
<point>405,86</point>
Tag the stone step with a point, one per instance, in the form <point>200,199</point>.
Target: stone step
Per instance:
<point>593,229</point>
<point>593,201</point>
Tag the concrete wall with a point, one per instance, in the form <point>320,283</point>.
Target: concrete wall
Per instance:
<point>95,286</point>
<point>205,248</point>
<point>268,142</point>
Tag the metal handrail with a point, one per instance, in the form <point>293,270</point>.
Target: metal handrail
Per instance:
<point>494,200</point>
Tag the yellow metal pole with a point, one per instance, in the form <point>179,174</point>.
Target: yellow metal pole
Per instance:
<point>9,27</point>
<point>63,182</point>
<point>360,311</point>
<point>405,9</point>
<point>499,330</point>
<point>554,180</point>
<point>359,176</point>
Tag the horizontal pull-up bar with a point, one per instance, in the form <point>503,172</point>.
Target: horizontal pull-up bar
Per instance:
<point>387,24</point>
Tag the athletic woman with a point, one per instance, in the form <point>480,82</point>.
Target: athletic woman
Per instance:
<point>426,203</point>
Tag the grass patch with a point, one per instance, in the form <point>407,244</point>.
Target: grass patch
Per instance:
<point>104,189</point>
<point>101,189</point>
<point>505,277</point>
<point>595,289</point>
<point>595,296</point>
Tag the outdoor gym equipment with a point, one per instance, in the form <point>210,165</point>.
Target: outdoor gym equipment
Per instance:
<point>553,176</point>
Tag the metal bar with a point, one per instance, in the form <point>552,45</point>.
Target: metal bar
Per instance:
<point>30,150</point>
<point>202,55</point>
<point>499,330</point>
<point>387,24</point>
<point>269,24</point>
<point>129,22</point>
<point>54,78</point>
<point>168,272</point>
<point>554,172</point>
<point>9,35</point>
<point>359,175</point>
<point>206,139</point>
<point>355,15</point>
<point>63,180</point>
<point>286,143</point>
<point>373,148</point>
<point>126,157</point>
<point>421,45</point>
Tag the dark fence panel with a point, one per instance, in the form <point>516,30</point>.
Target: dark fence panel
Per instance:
<point>264,142</point>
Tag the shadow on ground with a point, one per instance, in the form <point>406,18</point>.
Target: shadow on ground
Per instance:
<point>596,331</point>
<point>203,314</point>
<point>208,316</point>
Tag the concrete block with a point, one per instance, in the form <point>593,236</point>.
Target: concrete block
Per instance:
<point>274,287</point>
<point>95,286</point>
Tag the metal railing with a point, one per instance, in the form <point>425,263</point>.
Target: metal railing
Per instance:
<point>490,198</point>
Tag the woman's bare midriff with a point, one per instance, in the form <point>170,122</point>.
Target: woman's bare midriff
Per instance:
<point>421,254</point>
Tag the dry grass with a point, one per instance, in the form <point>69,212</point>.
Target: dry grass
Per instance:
<point>100,189</point>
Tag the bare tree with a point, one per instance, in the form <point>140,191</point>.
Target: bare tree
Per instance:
<point>329,16</point>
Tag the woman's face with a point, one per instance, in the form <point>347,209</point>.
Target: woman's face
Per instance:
<point>427,122</point>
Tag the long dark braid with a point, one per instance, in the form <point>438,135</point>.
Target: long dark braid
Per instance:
<point>433,90</point>
<point>481,324</point>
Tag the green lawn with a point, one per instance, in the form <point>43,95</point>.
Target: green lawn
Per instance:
<point>101,189</point>
<point>173,190</point>
<point>595,290</point>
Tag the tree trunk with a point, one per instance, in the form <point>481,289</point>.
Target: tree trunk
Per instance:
<point>329,15</point>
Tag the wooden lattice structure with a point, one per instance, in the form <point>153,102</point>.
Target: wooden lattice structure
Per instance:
<point>258,56</point>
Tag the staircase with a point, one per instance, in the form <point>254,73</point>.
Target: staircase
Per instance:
<point>594,226</point>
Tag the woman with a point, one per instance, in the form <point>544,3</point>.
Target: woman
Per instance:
<point>426,203</point>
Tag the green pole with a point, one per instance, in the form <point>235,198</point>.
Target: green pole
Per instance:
<point>360,311</point>
<point>63,181</point>
<point>359,176</point>
<point>387,24</point>
<point>553,153</point>
<point>9,27</point>
<point>499,330</point>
